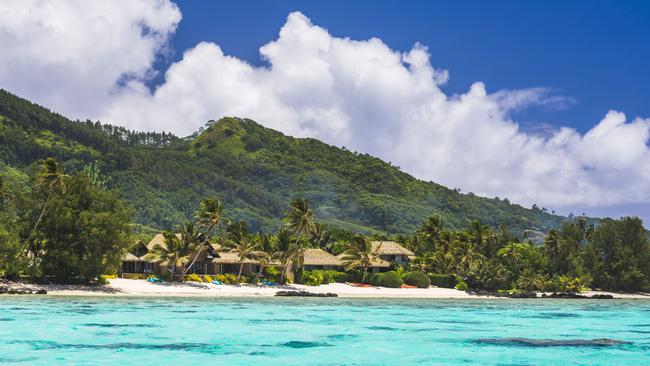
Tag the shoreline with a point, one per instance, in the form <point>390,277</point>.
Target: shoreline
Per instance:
<point>141,288</point>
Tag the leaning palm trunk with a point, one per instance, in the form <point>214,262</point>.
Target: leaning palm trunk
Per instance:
<point>198,253</point>
<point>365,273</point>
<point>241,268</point>
<point>38,222</point>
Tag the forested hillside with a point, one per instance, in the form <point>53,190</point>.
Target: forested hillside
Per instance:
<point>256,172</point>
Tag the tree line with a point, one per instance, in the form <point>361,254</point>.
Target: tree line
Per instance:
<point>70,227</point>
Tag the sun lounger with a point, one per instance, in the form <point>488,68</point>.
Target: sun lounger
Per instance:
<point>154,280</point>
<point>217,282</point>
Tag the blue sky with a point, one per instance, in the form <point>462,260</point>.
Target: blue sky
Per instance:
<point>595,52</point>
<point>541,102</point>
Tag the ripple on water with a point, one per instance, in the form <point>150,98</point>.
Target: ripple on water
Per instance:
<point>192,347</point>
<point>305,344</point>
<point>530,342</point>
<point>110,325</point>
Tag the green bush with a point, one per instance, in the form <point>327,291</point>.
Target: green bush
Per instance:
<point>391,279</point>
<point>272,273</point>
<point>462,286</point>
<point>136,276</point>
<point>417,278</point>
<point>226,278</point>
<point>311,278</point>
<point>207,278</point>
<point>443,280</point>
<point>375,280</point>
<point>193,277</point>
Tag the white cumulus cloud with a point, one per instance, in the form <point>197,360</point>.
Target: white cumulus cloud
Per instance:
<point>358,93</point>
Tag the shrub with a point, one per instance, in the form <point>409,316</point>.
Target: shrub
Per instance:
<point>391,279</point>
<point>311,278</point>
<point>417,278</point>
<point>193,277</point>
<point>248,277</point>
<point>375,280</point>
<point>136,276</point>
<point>227,278</point>
<point>207,278</point>
<point>443,280</point>
<point>461,285</point>
<point>272,274</point>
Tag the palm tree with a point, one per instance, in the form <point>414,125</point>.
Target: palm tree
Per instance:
<point>552,247</point>
<point>169,254</point>
<point>513,253</point>
<point>360,253</point>
<point>289,250</point>
<point>483,237</point>
<point>467,256</point>
<point>263,255</point>
<point>191,243</point>
<point>300,218</point>
<point>51,178</point>
<point>431,231</point>
<point>208,216</point>
<point>240,243</point>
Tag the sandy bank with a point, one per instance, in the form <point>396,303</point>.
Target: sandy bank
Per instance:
<point>124,287</point>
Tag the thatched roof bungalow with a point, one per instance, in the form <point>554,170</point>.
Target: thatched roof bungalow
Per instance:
<point>393,252</point>
<point>316,258</point>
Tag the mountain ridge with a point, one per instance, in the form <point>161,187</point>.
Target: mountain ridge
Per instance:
<point>254,169</point>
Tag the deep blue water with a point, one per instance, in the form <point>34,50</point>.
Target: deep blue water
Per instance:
<point>99,331</point>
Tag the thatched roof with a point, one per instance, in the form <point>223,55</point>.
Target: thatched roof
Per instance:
<point>391,248</point>
<point>159,239</point>
<point>136,253</point>
<point>227,257</point>
<point>128,257</point>
<point>319,257</point>
<point>380,263</point>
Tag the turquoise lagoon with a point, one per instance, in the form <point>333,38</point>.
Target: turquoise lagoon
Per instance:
<point>276,331</point>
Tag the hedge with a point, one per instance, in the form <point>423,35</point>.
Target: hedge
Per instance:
<point>391,279</point>
<point>443,280</point>
<point>417,278</point>
<point>375,280</point>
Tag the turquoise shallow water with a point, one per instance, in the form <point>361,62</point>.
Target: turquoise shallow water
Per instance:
<point>98,331</point>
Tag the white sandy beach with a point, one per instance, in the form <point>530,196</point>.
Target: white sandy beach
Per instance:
<point>142,288</point>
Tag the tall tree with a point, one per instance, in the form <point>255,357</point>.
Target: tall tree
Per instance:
<point>52,179</point>
<point>300,218</point>
<point>208,216</point>
<point>360,253</point>
<point>241,243</point>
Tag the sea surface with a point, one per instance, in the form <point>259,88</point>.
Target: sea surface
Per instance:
<point>277,331</point>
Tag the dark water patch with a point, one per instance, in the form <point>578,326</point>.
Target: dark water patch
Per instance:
<point>529,342</point>
<point>304,344</point>
<point>109,325</point>
<point>457,322</point>
<point>7,319</point>
<point>552,315</point>
<point>189,347</point>
<point>260,321</point>
<point>381,327</point>
<point>342,336</point>
<point>183,311</point>
<point>639,331</point>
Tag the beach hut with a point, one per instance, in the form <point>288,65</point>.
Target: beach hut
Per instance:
<point>134,262</point>
<point>393,252</point>
<point>227,261</point>
<point>202,265</point>
<point>314,258</point>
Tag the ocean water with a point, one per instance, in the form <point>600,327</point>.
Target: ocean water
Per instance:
<point>279,331</point>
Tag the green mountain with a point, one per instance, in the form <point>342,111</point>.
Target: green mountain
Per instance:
<point>254,170</point>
